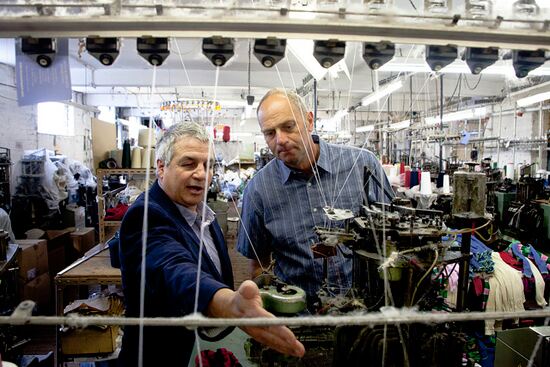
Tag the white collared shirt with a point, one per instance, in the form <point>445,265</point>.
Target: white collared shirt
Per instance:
<point>194,220</point>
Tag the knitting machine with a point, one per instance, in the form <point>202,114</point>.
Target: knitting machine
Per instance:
<point>395,250</point>
<point>393,245</point>
<point>523,218</point>
<point>398,253</point>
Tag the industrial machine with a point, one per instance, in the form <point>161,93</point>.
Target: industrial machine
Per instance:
<point>523,218</point>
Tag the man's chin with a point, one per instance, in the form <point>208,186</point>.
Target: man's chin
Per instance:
<point>286,157</point>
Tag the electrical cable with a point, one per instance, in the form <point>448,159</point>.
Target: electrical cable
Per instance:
<point>475,86</point>
<point>425,275</point>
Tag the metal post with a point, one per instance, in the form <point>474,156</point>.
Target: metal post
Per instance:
<point>541,134</point>
<point>515,132</point>
<point>499,134</point>
<point>315,104</point>
<point>479,149</point>
<point>441,121</point>
<point>463,272</point>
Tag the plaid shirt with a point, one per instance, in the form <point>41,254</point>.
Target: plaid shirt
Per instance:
<point>281,207</point>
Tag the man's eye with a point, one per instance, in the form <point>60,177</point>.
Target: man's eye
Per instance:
<point>289,127</point>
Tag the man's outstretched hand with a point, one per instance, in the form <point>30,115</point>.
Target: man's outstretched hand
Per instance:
<point>246,302</point>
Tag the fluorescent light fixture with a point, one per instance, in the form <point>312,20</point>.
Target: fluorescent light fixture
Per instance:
<point>364,129</point>
<point>340,114</point>
<point>533,99</point>
<point>382,92</point>
<point>458,115</point>
<point>400,125</point>
<point>303,51</point>
<point>333,123</point>
<point>417,65</point>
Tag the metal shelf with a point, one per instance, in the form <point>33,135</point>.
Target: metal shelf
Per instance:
<point>111,223</point>
<point>129,171</point>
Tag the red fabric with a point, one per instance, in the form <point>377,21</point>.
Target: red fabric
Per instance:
<point>402,168</point>
<point>510,260</point>
<point>116,213</point>
<point>478,285</point>
<point>408,178</point>
<point>220,358</point>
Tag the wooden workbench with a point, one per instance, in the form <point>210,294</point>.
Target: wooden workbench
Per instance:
<point>93,268</point>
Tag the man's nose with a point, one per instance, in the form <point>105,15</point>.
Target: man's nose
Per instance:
<point>200,172</point>
<point>282,138</point>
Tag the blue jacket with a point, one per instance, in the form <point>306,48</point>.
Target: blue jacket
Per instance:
<point>171,270</point>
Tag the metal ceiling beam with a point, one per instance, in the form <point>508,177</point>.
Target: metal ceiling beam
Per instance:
<point>388,29</point>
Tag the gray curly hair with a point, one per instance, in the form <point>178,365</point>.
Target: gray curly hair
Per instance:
<point>165,144</point>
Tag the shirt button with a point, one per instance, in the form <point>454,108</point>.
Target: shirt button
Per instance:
<point>314,210</point>
<point>309,184</point>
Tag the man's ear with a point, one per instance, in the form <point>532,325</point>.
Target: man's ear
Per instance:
<point>160,169</point>
<point>309,118</point>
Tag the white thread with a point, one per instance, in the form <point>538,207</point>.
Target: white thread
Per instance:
<point>144,235</point>
<point>372,318</point>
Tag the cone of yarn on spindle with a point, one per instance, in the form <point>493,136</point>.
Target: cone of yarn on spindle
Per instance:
<point>446,184</point>
<point>136,157</point>
<point>414,178</point>
<point>425,183</point>
<point>153,160</point>
<point>226,133</point>
<point>126,154</point>
<point>145,160</point>
<point>143,137</point>
<point>407,178</point>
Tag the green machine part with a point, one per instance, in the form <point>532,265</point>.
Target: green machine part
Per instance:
<point>278,297</point>
<point>503,201</point>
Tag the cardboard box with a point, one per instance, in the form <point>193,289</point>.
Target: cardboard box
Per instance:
<point>83,239</point>
<point>90,340</point>
<point>56,261</point>
<point>59,250</point>
<point>37,290</point>
<point>32,259</point>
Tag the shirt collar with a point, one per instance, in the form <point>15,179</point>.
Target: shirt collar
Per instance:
<point>323,162</point>
<point>191,217</point>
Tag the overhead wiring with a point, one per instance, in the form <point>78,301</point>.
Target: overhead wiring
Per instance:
<point>476,85</point>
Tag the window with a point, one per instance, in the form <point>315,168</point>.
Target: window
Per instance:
<point>55,118</point>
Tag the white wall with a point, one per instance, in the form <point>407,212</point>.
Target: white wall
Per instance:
<point>18,130</point>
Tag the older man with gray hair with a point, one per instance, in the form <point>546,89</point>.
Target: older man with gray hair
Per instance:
<point>178,220</point>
